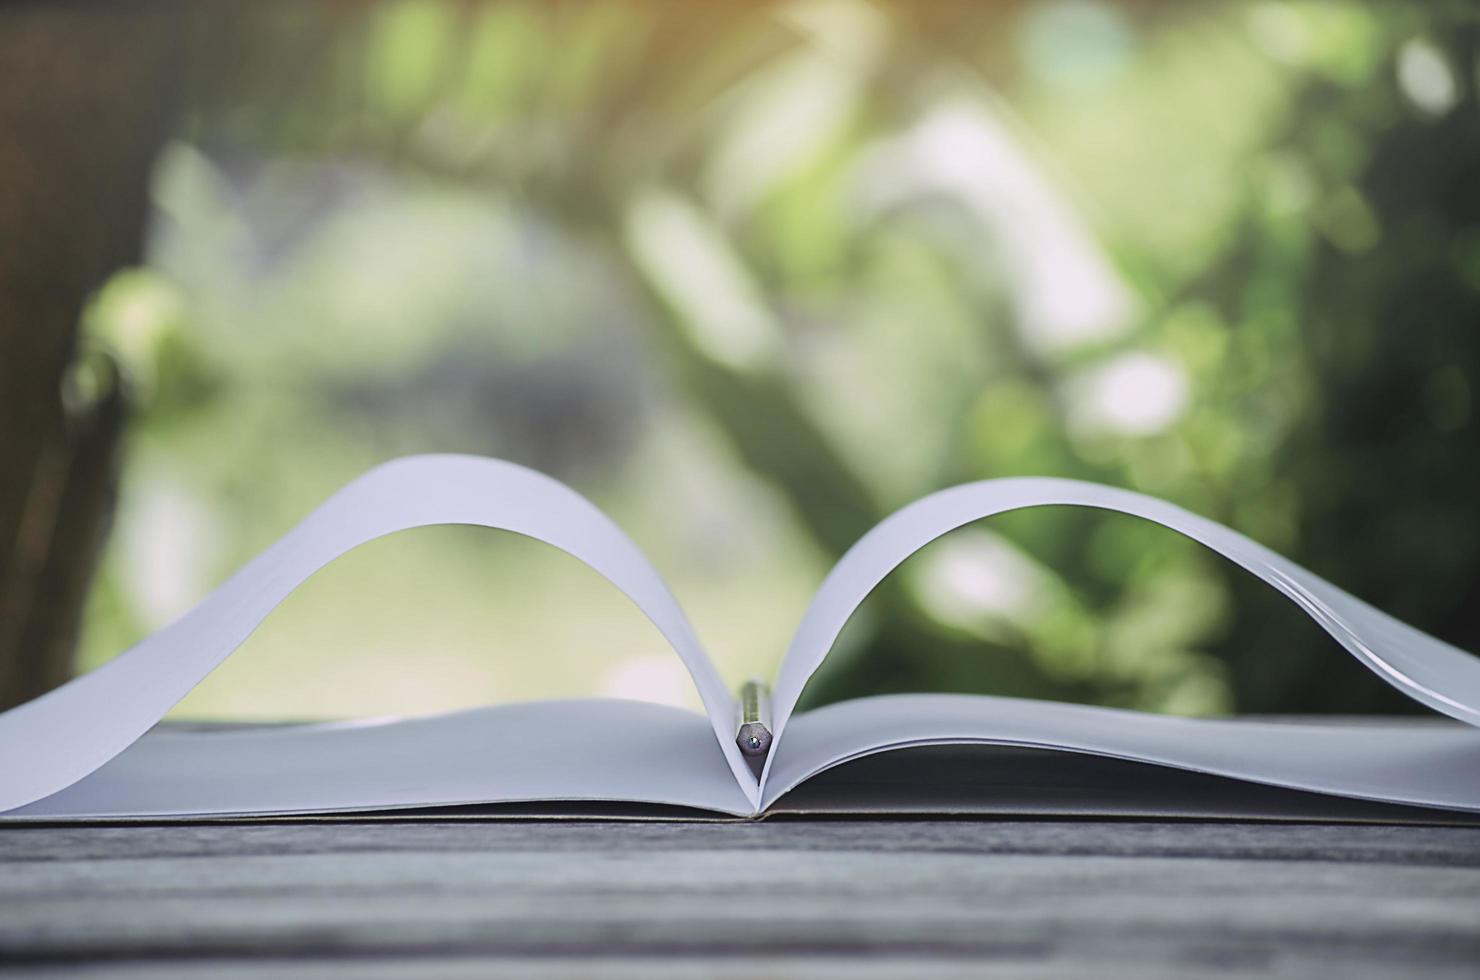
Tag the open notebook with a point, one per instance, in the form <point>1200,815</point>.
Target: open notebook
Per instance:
<point>91,748</point>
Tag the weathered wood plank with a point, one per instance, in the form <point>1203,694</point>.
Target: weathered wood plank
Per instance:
<point>828,898</point>
<point>1445,846</point>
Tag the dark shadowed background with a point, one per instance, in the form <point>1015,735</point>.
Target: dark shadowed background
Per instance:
<point>750,276</point>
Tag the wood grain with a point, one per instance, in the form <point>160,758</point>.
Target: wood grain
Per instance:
<point>824,898</point>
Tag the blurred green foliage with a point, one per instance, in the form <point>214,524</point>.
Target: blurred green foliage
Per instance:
<point>752,276</point>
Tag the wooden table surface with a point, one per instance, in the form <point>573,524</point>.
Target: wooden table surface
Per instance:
<point>835,898</point>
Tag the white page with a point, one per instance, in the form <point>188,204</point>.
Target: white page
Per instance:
<point>1424,764</point>
<point>1441,676</point>
<point>55,740</point>
<point>588,750</point>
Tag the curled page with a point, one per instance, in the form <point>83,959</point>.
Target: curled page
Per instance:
<point>60,737</point>
<point>1428,763</point>
<point>535,752</point>
<point>1430,671</point>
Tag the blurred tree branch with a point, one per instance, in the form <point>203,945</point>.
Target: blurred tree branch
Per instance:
<point>763,418</point>
<point>572,109</point>
<point>84,104</point>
